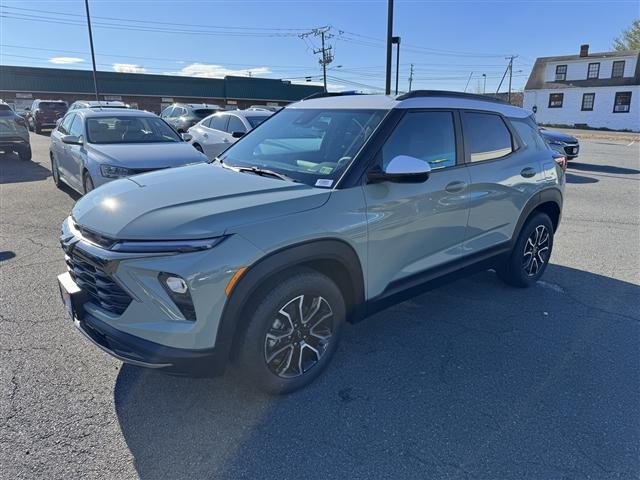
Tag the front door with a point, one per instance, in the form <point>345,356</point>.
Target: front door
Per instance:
<point>413,227</point>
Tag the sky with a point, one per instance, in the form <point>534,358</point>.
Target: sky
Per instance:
<point>451,44</point>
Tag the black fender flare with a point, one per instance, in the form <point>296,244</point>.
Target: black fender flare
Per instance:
<point>549,194</point>
<point>277,262</point>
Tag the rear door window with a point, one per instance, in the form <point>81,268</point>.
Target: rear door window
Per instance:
<point>487,136</point>
<point>235,125</point>
<point>219,122</point>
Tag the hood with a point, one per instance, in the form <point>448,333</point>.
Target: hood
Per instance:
<point>196,201</point>
<point>558,136</point>
<point>146,155</point>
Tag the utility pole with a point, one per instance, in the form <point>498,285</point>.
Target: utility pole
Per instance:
<point>468,80</point>
<point>387,88</point>
<point>410,76</point>
<point>326,55</point>
<point>93,55</point>
<point>510,75</point>
<point>484,87</point>
<point>396,40</point>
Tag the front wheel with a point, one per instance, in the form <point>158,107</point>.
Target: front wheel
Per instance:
<point>87,183</point>
<point>530,255</point>
<point>24,153</point>
<point>55,172</point>
<point>292,333</point>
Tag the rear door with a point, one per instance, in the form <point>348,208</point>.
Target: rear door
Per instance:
<point>413,227</point>
<point>504,176</point>
<point>217,138</point>
<point>75,153</point>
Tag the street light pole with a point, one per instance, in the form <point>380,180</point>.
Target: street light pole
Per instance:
<point>387,88</point>
<point>396,40</point>
<point>93,55</point>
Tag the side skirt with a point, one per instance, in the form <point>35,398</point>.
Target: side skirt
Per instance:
<point>414,285</point>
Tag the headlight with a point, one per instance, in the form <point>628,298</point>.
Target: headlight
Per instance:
<point>556,142</point>
<point>111,171</point>
<point>168,246</point>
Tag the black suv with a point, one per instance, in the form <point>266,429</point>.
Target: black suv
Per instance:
<point>45,114</point>
<point>183,116</point>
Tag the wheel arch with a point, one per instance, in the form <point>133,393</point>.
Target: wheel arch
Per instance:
<point>332,257</point>
<point>548,201</point>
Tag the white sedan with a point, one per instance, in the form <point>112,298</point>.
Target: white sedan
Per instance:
<point>215,133</point>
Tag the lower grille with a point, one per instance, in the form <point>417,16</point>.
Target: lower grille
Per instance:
<point>101,288</point>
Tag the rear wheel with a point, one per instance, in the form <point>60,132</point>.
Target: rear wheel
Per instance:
<point>292,333</point>
<point>24,153</point>
<point>87,183</point>
<point>55,172</point>
<point>530,255</point>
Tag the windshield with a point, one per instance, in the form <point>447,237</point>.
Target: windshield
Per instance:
<point>312,146</point>
<point>129,129</point>
<point>57,106</point>
<point>204,112</point>
<point>255,120</point>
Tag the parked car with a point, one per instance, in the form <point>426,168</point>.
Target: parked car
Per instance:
<point>14,136</point>
<point>215,133</point>
<point>91,147</point>
<point>562,143</point>
<point>45,114</point>
<point>270,108</point>
<point>332,210</point>
<point>97,104</point>
<point>182,116</point>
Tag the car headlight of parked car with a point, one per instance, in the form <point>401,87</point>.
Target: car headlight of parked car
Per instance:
<point>111,171</point>
<point>557,143</point>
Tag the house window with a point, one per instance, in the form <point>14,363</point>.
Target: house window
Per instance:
<point>587,101</point>
<point>617,71</point>
<point>593,71</point>
<point>622,103</point>
<point>555,100</point>
<point>561,72</point>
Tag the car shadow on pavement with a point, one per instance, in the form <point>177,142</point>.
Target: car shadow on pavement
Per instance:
<point>612,169</point>
<point>474,379</point>
<point>14,170</point>
<point>573,178</point>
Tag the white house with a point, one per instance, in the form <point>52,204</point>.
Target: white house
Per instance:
<point>600,90</point>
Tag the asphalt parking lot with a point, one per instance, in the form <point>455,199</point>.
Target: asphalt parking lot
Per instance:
<point>473,380</point>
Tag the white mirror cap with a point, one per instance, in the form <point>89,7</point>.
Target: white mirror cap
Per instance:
<point>402,164</point>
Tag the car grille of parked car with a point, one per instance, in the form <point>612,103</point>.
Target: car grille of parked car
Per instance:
<point>103,291</point>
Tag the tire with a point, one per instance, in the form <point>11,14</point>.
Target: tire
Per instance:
<point>24,153</point>
<point>38,129</point>
<point>279,351</point>
<point>55,172</point>
<point>87,183</point>
<point>530,255</point>
<point>198,147</point>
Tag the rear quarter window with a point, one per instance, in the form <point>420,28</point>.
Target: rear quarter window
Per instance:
<point>529,132</point>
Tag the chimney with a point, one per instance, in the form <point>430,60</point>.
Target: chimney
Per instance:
<point>584,50</point>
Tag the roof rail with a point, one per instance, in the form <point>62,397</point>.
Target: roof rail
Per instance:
<point>445,93</point>
<point>332,94</point>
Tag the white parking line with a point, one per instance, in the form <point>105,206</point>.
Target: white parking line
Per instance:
<point>631,143</point>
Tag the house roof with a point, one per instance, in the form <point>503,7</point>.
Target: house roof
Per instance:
<point>536,79</point>
<point>58,80</point>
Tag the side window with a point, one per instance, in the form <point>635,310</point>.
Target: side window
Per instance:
<point>65,125</point>
<point>486,135</point>
<point>166,112</point>
<point>429,136</point>
<point>235,125</point>
<point>179,111</point>
<point>219,122</point>
<point>528,131</point>
<point>76,126</point>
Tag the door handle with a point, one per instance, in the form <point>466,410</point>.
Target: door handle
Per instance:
<point>206,135</point>
<point>528,172</point>
<point>455,187</point>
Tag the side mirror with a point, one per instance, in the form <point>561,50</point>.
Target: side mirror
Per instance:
<point>28,109</point>
<point>402,169</point>
<point>187,137</point>
<point>237,134</point>
<point>58,122</point>
<point>72,140</point>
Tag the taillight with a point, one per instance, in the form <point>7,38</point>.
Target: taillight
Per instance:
<point>562,161</point>
<point>21,121</point>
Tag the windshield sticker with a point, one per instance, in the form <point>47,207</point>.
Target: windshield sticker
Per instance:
<point>325,170</point>
<point>324,182</point>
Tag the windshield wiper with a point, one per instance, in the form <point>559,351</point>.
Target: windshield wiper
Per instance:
<point>262,172</point>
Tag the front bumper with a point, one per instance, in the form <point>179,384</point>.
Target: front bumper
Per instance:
<point>137,351</point>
